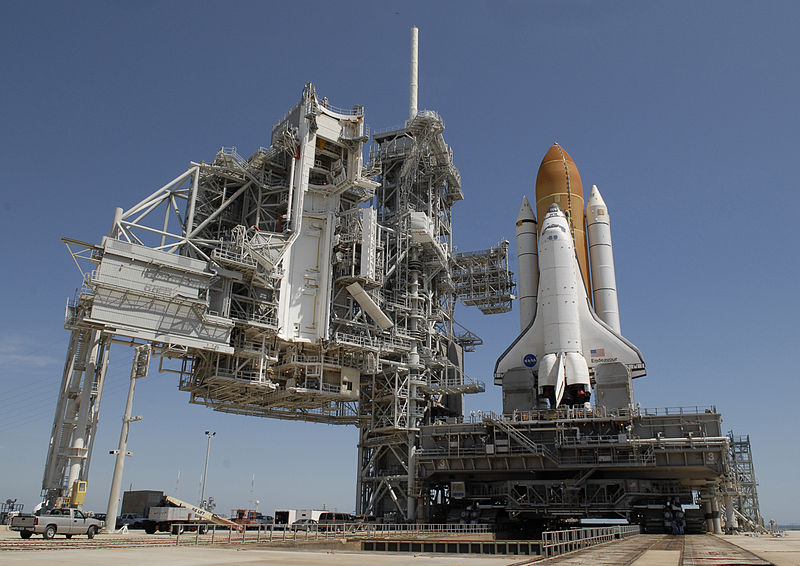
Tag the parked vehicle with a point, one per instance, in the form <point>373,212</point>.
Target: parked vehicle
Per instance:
<point>50,522</point>
<point>172,519</point>
<point>304,525</point>
<point>329,521</point>
<point>250,518</point>
<point>175,516</point>
<point>9,510</point>
<point>132,520</point>
<point>287,517</point>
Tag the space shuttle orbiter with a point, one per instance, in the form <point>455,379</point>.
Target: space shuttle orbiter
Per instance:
<point>563,339</point>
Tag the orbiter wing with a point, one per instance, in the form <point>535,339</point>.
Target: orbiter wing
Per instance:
<point>601,344</point>
<point>524,352</point>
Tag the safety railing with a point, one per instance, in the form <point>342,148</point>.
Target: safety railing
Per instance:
<point>354,111</point>
<point>330,388</point>
<point>555,543</point>
<point>190,533</point>
<point>519,436</point>
<point>688,410</point>
<point>232,152</point>
<point>480,451</point>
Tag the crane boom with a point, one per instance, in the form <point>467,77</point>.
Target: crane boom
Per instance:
<point>203,514</point>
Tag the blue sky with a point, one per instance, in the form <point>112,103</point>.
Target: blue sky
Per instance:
<point>683,113</point>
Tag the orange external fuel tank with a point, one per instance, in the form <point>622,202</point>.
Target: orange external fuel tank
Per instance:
<point>559,182</point>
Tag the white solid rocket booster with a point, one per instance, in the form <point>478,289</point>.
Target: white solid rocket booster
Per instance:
<point>604,279</point>
<point>527,263</point>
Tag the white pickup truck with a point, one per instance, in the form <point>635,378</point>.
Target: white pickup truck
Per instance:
<point>48,523</point>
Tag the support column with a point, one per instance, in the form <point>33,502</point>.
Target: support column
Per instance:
<point>78,448</point>
<point>707,510</point>
<point>416,319</point>
<point>411,502</point>
<point>359,472</point>
<point>97,396</point>
<point>730,515</point>
<point>715,517</point>
<point>50,481</point>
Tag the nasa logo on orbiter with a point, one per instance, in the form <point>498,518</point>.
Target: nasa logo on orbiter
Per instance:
<point>529,360</point>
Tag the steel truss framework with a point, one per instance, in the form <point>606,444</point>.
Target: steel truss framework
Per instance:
<point>299,283</point>
<point>418,186</point>
<point>77,411</point>
<point>484,279</point>
<point>744,493</point>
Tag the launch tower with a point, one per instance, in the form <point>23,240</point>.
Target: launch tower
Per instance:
<point>298,283</point>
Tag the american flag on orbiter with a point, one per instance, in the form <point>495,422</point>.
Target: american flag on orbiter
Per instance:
<point>599,352</point>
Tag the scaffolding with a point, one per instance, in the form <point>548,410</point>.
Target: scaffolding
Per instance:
<point>483,279</point>
<point>418,186</point>
<point>745,501</point>
<point>77,411</point>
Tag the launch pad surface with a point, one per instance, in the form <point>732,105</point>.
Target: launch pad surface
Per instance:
<point>642,550</point>
<point>218,556</point>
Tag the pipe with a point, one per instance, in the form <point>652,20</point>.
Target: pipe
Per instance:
<point>694,440</point>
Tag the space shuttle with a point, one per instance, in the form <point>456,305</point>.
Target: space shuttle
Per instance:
<point>567,341</point>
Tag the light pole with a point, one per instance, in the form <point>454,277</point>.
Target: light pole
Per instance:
<point>141,363</point>
<point>210,435</point>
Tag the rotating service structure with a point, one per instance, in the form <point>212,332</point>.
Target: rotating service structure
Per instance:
<point>299,283</point>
